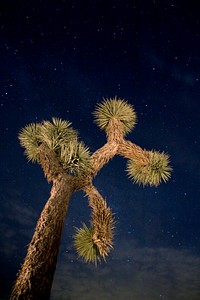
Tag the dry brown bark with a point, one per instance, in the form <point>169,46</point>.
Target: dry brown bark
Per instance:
<point>35,277</point>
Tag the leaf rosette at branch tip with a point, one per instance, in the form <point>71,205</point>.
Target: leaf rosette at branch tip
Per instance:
<point>151,171</point>
<point>57,133</point>
<point>115,108</point>
<point>60,138</point>
<point>85,246</point>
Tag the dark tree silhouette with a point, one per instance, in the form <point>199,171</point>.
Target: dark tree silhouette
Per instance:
<point>67,163</point>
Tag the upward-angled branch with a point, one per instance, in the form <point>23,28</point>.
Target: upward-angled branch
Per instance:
<point>50,164</point>
<point>115,133</point>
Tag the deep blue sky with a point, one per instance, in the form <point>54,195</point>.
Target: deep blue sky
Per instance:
<point>59,59</point>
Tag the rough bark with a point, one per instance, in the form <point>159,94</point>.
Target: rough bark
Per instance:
<point>101,219</point>
<point>35,277</point>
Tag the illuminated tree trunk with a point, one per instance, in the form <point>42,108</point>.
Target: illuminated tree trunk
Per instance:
<point>36,275</point>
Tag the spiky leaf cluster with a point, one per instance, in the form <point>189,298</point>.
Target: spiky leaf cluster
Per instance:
<point>30,139</point>
<point>75,157</point>
<point>60,138</point>
<point>115,108</point>
<point>57,133</point>
<point>152,171</point>
<point>85,246</point>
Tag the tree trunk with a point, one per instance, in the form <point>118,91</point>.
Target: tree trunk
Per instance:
<point>35,277</point>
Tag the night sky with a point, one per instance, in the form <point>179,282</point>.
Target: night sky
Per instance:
<point>59,59</point>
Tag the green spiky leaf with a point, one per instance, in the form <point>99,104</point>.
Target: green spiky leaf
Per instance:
<point>151,173</point>
<point>59,137</point>
<point>62,139</point>
<point>115,108</point>
<point>30,139</point>
<point>85,247</point>
<point>75,157</point>
<point>57,133</point>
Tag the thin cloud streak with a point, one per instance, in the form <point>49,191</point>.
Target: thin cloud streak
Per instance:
<point>148,274</point>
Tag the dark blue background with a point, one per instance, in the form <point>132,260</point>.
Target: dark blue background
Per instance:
<point>59,59</point>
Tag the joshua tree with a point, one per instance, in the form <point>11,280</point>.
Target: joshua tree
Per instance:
<point>67,163</point>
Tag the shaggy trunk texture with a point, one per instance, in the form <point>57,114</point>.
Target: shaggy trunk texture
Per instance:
<point>35,277</point>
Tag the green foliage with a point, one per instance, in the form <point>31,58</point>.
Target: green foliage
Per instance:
<point>60,138</point>
<point>75,157</point>
<point>30,139</point>
<point>57,134</point>
<point>85,246</point>
<point>115,108</point>
<point>154,171</point>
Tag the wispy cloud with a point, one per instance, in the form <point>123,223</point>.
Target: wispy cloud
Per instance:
<point>131,273</point>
